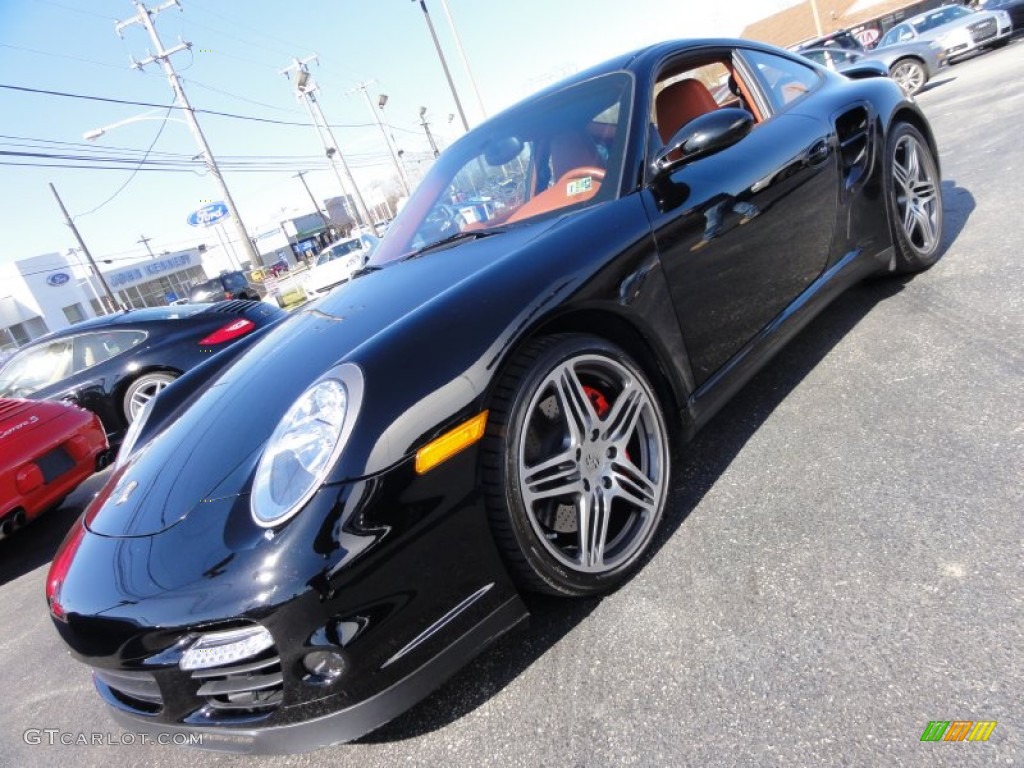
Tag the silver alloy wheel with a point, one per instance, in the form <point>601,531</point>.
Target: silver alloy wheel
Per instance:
<point>592,464</point>
<point>144,389</point>
<point>909,75</point>
<point>916,193</point>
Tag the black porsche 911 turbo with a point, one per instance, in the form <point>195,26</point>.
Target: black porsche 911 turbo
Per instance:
<point>487,407</point>
<point>113,365</point>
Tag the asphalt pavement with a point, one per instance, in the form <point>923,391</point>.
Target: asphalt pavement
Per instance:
<point>843,560</point>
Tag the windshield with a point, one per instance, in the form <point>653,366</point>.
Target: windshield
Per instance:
<point>560,151</point>
<point>940,17</point>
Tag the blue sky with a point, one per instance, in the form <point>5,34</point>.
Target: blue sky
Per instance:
<point>238,50</point>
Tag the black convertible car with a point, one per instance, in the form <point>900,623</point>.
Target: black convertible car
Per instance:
<point>488,406</point>
<point>113,365</point>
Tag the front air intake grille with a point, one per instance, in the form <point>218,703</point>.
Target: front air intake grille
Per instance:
<point>983,30</point>
<point>248,688</point>
<point>136,691</point>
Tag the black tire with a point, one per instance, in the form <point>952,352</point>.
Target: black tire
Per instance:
<point>913,196</point>
<point>143,389</point>
<point>909,74</point>
<point>576,441</point>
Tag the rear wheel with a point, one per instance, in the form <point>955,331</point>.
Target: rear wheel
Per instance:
<point>913,197</point>
<point>142,390</point>
<point>909,74</point>
<point>576,465</point>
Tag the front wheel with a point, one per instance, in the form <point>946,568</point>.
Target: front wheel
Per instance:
<point>913,198</point>
<point>910,75</point>
<point>576,465</point>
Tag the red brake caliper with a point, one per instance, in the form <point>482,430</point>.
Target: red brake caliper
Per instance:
<point>598,400</point>
<point>600,403</point>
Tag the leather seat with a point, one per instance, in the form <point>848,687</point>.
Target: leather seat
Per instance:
<point>679,103</point>
<point>577,168</point>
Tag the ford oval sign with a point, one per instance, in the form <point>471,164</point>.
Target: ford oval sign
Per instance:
<point>58,279</point>
<point>208,215</point>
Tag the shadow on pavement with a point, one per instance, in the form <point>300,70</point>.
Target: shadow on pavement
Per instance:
<point>36,544</point>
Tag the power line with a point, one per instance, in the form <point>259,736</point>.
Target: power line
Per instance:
<point>233,115</point>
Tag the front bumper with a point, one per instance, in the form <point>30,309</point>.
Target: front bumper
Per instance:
<point>338,726</point>
<point>396,574</point>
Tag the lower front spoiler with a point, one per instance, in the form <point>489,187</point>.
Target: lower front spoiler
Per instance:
<point>345,724</point>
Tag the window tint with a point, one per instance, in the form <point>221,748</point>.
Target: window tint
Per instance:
<point>94,348</point>
<point>896,34</point>
<point>784,80</point>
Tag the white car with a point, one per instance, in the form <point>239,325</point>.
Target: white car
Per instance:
<point>956,29</point>
<point>336,263</point>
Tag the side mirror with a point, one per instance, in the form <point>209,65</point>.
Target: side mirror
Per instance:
<point>862,70</point>
<point>704,136</point>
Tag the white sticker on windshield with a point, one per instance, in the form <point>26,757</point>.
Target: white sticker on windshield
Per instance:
<point>579,186</point>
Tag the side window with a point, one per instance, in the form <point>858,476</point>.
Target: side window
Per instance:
<point>36,368</point>
<point>784,80</point>
<point>94,348</point>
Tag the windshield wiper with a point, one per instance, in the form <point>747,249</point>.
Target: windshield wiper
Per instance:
<point>454,239</point>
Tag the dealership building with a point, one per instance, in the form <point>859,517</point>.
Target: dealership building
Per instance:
<point>50,292</point>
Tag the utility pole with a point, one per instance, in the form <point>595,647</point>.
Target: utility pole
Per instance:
<point>444,64</point>
<point>462,55</point>
<point>306,90</point>
<point>144,18</point>
<point>817,18</point>
<point>145,241</point>
<point>301,176</point>
<point>81,244</point>
<point>426,129</point>
<point>380,124</point>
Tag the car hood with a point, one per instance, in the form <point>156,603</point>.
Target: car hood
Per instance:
<point>210,450</point>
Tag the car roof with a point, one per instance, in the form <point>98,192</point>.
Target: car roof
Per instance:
<point>125,319</point>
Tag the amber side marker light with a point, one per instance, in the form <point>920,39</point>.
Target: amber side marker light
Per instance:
<point>450,443</point>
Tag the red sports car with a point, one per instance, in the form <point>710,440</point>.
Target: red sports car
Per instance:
<point>46,450</point>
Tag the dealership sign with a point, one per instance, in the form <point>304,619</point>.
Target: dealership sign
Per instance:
<point>208,215</point>
<point>58,279</point>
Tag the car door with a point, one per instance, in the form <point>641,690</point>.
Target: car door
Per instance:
<point>744,231</point>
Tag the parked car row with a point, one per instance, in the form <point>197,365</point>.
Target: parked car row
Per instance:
<point>915,49</point>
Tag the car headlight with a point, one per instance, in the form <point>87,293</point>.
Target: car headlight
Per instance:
<point>305,445</point>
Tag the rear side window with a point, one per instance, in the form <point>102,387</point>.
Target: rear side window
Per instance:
<point>94,348</point>
<point>784,80</point>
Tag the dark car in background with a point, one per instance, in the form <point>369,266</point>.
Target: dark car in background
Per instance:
<point>46,450</point>
<point>911,64</point>
<point>1013,7</point>
<point>489,406</point>
<point>113,365</point>
<point>224,287</point>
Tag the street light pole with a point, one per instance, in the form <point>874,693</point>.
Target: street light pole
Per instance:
<point>380,124</point>
<point>444,64</point>
<point>301,176</point>
<point>144,17</point>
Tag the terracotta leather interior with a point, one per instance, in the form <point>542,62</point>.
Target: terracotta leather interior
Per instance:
<point>574,158</point>
<point>679,103</point>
